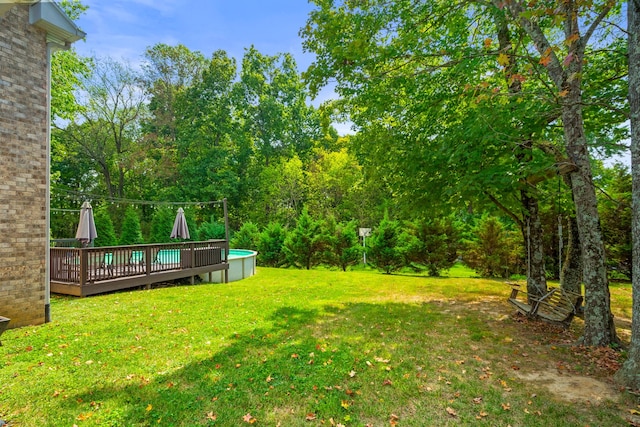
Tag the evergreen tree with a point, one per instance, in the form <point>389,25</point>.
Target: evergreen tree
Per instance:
<point>211,230</point>
<point>161,225</point>
<point>494,250</point>
<point>304,245</point>
<point>342,246</point>
<point>131,233</point>
<point>384,247</point>
<point>270,245</point>
<point>432,245</point>
<point>104,228</point>
<point>247,237</point>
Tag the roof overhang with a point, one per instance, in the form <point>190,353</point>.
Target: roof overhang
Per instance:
<point>47,15</point>
<point>61,30</point>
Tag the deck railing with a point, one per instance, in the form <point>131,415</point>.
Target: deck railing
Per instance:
<point>87,271</point>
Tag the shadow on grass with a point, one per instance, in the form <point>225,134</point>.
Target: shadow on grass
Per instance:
<point>304,363</point>
<point>355,364</point>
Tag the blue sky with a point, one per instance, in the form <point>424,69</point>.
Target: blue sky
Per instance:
<point>124,28</point>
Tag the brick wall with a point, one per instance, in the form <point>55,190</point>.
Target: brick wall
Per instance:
<point>23,168</point>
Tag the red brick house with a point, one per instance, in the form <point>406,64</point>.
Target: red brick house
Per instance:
<point>29,32</point>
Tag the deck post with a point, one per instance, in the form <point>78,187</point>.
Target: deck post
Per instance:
<point>226,239</point>
<point>147,259</point>
<point>84,268</point>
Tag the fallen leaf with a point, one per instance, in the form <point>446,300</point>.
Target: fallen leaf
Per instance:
<point>506,406</point>
<point>149,407</point>
<point>248,418</point>
<point>481,415</point>
<point>344,404</point>
<point>310,417</point>
<point>211,416</point>
<point>387,381</point>
<point>451,412</point>
<point>352,374</point>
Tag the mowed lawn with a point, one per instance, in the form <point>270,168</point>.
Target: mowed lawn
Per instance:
<point>303,348</point>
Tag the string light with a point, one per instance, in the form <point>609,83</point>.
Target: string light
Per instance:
<point>111,199</point>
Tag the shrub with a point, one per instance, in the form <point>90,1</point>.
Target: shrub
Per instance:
<point>131,233</point>
<point>270,245</point>
<point>304,245</point>
<point>431,245</point>
<point>211,230</point>
<point>494,250</point>
<point>384,247</point>
<point>162,225</point>
<point>104,228</point>
<point>342,246</point>
<point>247,237</point>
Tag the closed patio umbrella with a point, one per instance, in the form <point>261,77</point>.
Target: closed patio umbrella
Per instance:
<point>86,232</point>
<point>180,228</point>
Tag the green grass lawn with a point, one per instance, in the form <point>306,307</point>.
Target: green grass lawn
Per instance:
<point>298,348</point>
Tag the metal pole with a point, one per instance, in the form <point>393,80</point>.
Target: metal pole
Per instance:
<point>364,247</point>
<point>226,234</point>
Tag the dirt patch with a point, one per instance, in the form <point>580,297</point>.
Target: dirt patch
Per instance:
<point>572,388</point>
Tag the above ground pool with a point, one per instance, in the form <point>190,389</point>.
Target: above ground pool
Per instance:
<point>242,264</point>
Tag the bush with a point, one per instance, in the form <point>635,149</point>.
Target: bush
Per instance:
<point>342,246</point>
<point>162,225</point>
<point>431,245</point>
<point>246,238</point>
<point>304,245</point>
<point>270,245</point>
<point>384,248</point>
<point>104,228</point>
<point>494,250</point>
<point>211,230</point>
<point>131,233</point>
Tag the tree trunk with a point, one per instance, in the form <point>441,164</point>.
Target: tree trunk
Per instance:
<point>536,276</point>
<point>599,328</point>
<point>571,274</point>
<point>629,375</point>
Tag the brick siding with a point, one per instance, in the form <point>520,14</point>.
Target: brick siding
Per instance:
<point>23,168</point>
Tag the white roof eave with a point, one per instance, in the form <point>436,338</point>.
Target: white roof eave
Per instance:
<point>61,30</point>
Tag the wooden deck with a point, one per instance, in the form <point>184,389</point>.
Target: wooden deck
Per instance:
<point>90,271</point>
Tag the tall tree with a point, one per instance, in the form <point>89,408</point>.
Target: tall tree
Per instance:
<point>629,374</point>
<point>105,129</point>
<point>566,73</point>
<point>167,71</point>
<point>273,107</point>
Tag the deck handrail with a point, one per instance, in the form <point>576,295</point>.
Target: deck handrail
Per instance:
<point>134,264</point>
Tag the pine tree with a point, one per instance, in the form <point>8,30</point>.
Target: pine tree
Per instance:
<point>303,246</point>
<point>247,237</point>
<point>131,233</point>
<point>104,228</point>
<point>270,245</point>
<point>384,248</point>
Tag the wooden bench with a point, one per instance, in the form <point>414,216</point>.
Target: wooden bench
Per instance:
<point>557,306</point>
